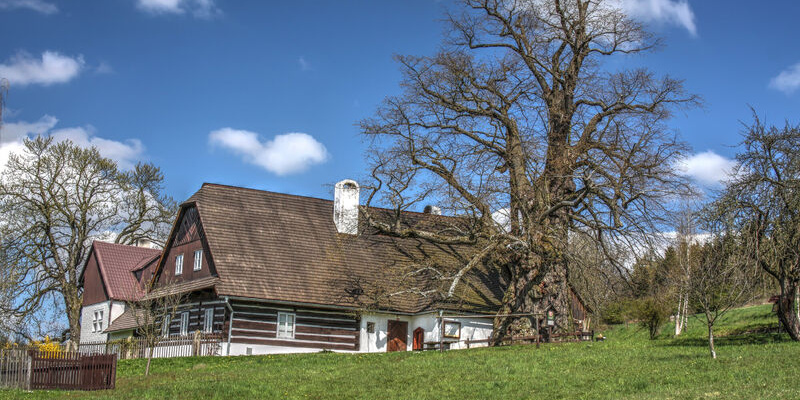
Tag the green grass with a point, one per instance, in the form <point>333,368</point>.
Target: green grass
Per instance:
<point>753,363</point>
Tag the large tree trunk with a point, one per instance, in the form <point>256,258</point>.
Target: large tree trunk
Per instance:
<point>788,308</point>
<point>534,288</point>
<point>72,306</point>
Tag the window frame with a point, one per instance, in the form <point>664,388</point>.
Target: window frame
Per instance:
<point>184,324</point>
<point>448,327</point>
<point>100,320</point>
<point>179,264</point>
<point>198,260</point>
<point>208,323</point>
<point>282,329</point>
<point>165,325</point>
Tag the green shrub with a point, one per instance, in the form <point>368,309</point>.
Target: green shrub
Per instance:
<point>652,313</point>
<point>615,313</point>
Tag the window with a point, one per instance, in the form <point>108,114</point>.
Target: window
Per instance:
<point>198,260</point>
<point>97,321</point>
<point>285,325</point>
<point>179,264</point>
<point>165,325</point>
<point>184,323</point>
<point>452,329</point>
<point>208,321</point>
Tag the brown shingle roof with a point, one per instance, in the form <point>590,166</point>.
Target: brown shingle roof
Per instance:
<point>125,322</point>
<point>183,287</point>
<point>284,247</point>
<point>116,262</point>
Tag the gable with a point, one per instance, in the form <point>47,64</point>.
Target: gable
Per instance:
<point>187,238</point>
<point>94,289</point>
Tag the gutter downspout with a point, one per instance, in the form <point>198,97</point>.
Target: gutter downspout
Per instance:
<point>230,326</point>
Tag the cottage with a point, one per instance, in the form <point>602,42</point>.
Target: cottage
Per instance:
<point>277,273</point>
<point>109,280</point>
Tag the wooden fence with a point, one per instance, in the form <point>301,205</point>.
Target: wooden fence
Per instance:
<point>72,371</point>
<point>14,368</point>
<point>174,346</point>
<point>33,369</point>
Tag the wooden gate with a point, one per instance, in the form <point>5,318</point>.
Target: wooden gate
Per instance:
<point>72,371</point>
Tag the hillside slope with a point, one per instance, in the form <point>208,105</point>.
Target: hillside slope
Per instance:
<point>752,364</point>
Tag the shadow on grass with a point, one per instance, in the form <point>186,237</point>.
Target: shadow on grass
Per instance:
<point>732,339</point>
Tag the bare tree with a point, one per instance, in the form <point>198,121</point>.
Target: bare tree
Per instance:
<point>719,281</point>
<point>762,203</point>
<point>685,237</point>
<point>517,116</point>
<point>153,313</point>
<point>55,199</point>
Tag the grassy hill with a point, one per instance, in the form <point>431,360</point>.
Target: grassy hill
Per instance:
<point>754,362</point>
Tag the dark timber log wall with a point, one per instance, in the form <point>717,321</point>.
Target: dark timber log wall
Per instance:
<point>256,323</point>
<point>197,310</point>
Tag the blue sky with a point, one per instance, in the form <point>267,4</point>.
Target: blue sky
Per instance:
<point>267,94</point>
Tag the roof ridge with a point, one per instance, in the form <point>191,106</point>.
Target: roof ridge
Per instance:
<point>263,191</point>
<point>311,198</point>
<point>104,243</point>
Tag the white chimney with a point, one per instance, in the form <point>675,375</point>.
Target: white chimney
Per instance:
<point>431,209</point>
<point>345,206</point>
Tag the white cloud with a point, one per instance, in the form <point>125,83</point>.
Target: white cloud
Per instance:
<point>16,131</point>
<point>707,168</point>
<point>675,12</point>
<point>788,80</point>
<point>125,153</point>
<point>304,65</point>
<point>23,69</point>
<point>198,8</point>
<point>283,155</point>
<point>35,5</point>
<point>104,68</point>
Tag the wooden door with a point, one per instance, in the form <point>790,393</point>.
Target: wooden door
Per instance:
<point>419,339</point>
<point>397,336</point>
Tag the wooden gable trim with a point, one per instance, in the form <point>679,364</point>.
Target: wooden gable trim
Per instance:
<point>172,232</point>
<point>171,240</point>
<point>106,286</point>
<point>212,266</point>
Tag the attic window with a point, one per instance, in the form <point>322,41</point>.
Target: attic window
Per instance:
<point>179,264</point>
<point>198,260</point>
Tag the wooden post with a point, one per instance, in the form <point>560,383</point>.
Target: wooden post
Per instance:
<point>29,375</point>
<point>441,332</point>
<point>196,343</point>
<point>538,332</point>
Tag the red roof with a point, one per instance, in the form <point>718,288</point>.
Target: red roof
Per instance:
<point>116,261</point>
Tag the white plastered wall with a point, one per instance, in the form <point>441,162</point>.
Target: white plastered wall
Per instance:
<point>471,328</point>
<point>111,311</point>
<point>87,318</point>
<point>240,349</point>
